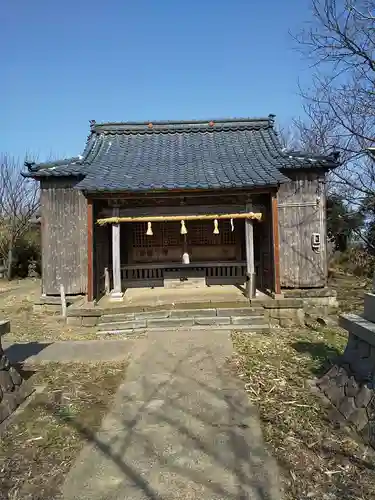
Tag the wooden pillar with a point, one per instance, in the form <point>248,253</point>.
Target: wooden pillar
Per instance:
<point>250,265</point>
<point>275,243</point>
<point>90,228</point>
<point>116,262</point>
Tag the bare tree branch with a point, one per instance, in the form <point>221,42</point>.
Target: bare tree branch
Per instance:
<point>339,105</point>
<point>19,201</point>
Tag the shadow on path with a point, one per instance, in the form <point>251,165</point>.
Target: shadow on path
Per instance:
<point>181,427</point>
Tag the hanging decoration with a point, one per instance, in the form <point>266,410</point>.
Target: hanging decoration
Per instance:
<point>149,229</point>
<point>216,227</point>
<point>185,258</point>
<point>232,225</point>
<point>162,218</point>
<point>183,228</point>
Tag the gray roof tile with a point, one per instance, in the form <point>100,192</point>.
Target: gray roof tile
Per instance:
<point>234,153</point>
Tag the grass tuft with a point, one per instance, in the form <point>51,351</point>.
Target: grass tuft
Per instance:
<point>316,460</point>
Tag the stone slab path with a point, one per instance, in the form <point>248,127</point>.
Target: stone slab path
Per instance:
<point>68,351</point>
<point>181,427</point>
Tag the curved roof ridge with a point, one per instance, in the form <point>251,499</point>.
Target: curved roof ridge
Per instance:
<point>181,125</point>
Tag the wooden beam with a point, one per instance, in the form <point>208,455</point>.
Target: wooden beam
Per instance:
<point>90,227</point>
<point>160,218</point>
<point>276,243</point>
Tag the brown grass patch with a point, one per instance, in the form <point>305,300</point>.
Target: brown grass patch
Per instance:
<point>16,305</point>
<point>39,446</point>
<point>316,460</point>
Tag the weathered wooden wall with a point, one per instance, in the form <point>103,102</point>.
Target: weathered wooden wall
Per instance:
<point>64,237</point>
<point>302,212</point>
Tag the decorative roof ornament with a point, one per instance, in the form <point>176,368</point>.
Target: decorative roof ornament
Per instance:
<point>183,228</point>
<point>149,231</point>
<point>216,227</point>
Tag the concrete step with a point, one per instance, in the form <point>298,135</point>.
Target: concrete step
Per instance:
<point>173,322</point>
<point>264,328</point>
<point>182,313</point>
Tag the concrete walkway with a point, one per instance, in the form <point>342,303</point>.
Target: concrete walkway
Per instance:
<point>181,427</point>
<point>68,351</point>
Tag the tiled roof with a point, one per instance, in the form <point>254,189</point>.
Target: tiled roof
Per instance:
<point>230,153</point>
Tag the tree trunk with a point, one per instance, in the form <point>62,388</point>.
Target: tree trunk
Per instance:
<point>10,262</point>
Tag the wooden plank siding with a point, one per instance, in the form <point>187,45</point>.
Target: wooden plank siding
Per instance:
<point>301,206</point>
<point>64,238</point>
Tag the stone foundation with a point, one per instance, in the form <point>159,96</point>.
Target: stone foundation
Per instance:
<point>52,303</point>
<point>317,300</point>
<point>285,313</point>
<point>13,388</point>
<point>350,383</point>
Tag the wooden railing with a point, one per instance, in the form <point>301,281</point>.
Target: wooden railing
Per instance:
<point>154,274</point>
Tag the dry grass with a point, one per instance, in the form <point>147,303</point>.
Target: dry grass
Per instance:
<point>316,460</point>
<point>350,290</point>
<point>16,305</point>
<point>40,445</point>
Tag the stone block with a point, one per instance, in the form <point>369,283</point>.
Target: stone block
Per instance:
<point>6,382</point>
<point>116,318</point>
<point>341,378</point>
<point>84,311</point>
<point>212,321</point>
<point>358,326</point>
<point>234,311</point>
<point>248,320</point>
<point>369,307</point>
<point>351,387</point>
<point>188,283</point>
<point>192,313</point>
<point>170,323</point>
<point>15,376</point>
<point>124,325</point>
<point>347,407</point>
<point>89,321</point>
<point>283,304</point>
<point>74,320</point>
<point>359,418</point>
<point>310,292</point>
<point>363,397</point>
<point>286,318</point>
<point>324,382</point>
<point>335,394</point>
<point>151,315</point>
<point>4,362</point>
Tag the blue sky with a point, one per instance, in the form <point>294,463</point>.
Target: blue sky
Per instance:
<point>66,62</point>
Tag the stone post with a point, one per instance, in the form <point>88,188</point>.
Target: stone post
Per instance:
<point>350,383</point>
<point>13,389</point>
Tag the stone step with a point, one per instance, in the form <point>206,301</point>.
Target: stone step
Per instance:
<point>188,283</point>
<point>178,322</point>
<point>182,313</point>
<point>238,328</point>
